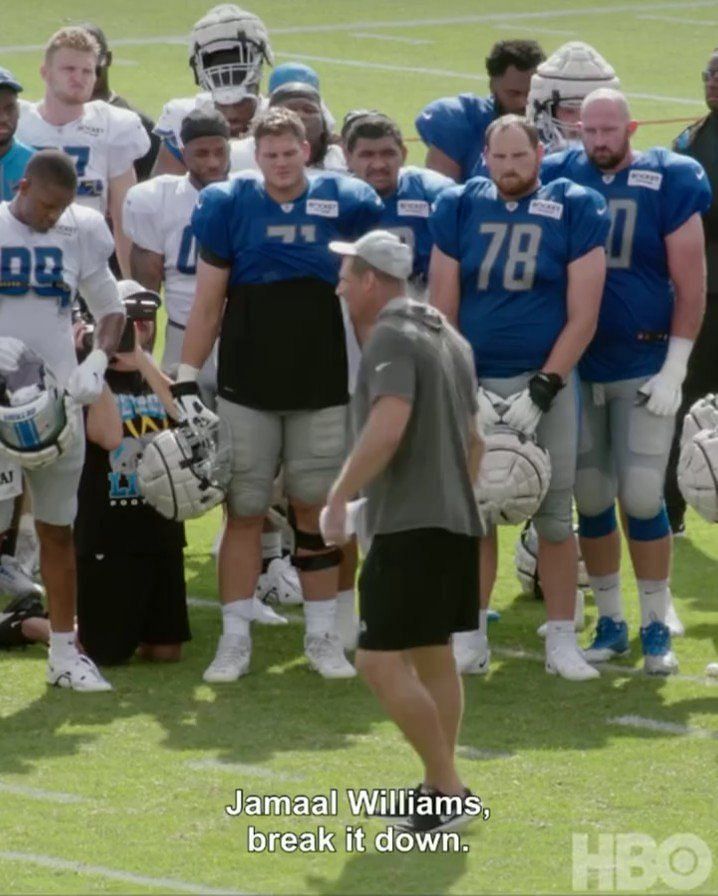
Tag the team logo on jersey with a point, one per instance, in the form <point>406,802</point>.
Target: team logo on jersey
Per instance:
<point>323,208</point>
<point>546,208</point>
<point>413,208</point>
<point>286,207</point>
<point>652,180</point>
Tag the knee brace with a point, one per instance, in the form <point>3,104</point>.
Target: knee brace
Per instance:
<point>323,556</point>
<point>553,520</point>
<point>599,525</point>
<point>641,493</point>
<point>651,529</point>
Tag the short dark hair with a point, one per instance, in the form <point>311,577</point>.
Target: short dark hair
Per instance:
<point>277,121</point>
<point>373,126</point>
<point>509,121</point>
<point>53,166</point>
<point>522,54</point>
<point>203,123</point>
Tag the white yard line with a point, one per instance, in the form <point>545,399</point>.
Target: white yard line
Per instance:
<point>678,21</point>
<point>534,29</point>
<point>660,727</point>
<point>414,41</point>
<point>167,884</point>
<point>33,793</point>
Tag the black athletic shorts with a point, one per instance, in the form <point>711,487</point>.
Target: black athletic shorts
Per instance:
<point>127,600</point>
<point>417,587</point>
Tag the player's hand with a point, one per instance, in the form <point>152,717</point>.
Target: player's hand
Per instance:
<point>191,410</point>
<point>661,395</point>
<point>333,521</point>
<point>86,380</point>
<point>11,350</point>
<point>523,414</point>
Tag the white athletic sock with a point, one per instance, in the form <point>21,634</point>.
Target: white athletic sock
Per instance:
<point>470,640</point>
<point>63,646</point>
<point>607,594</point>
<point>484,621</point>
<point>234,621</point>
<point>320,616</point>
<point>560,632</point>
<point>654,597</point>
<point>346,607</point>
<point>271,545</point>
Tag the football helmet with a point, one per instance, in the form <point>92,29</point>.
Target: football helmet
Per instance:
<point>37,417</point>
<point>227,49</point>
<point>526,563</point>
<point>184,472</point>
<point>702,414</point>
<point>698,473</point>
<point>565,79</point>
<point>513,479</point>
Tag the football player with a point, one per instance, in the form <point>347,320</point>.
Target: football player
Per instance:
<point>103,140</point>
<point>520,268</point>
<point>453,128</point>
<point>227,51</point>
<point>265,285</point>
<point>50,246</point>
<point>14,155</point>
<point>634,368</point>
<point>376,153</point>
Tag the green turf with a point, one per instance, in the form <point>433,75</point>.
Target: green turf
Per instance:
<point>539,750</point>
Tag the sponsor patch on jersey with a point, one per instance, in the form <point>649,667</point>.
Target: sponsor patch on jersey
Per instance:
<point>546,208</point>
<point>90,129</point>
<point>323,208</point>
<point>413,208</point>
<point>652,180</point>
<point>65,229</point>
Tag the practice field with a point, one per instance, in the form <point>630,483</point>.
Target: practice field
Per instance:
<point>126,792</point>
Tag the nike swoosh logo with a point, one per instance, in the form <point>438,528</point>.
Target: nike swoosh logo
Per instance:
<point>380,367</point>
<point>700,175</point>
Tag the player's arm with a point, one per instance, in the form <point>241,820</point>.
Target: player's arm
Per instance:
<point>586,278</point>
<point>444,284</point>
<point>118,187</point>
<point>104,424</point>
<point>167,163</point>
<point>439,161</point>
<point>206,315</point>
<point>147,267</point>
<point>687,269</point>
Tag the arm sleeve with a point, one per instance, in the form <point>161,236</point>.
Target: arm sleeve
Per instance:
<point>390,366</point>
<point>142,215</point>
<point>588,221</point>
<point>211,225</point>
<point>444,221</point>
<point>128,140</point>
<point>444,124</point>
<point>686,190</point>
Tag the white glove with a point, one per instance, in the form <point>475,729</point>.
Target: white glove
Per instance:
<point>662,394</point>
<point>491,409</point>
<point>11,351</point>
<point>86,381</point>
<point>523,413</point>
<point>191,410</point>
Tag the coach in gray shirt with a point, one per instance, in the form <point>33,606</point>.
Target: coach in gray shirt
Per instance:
<point>415,458</point>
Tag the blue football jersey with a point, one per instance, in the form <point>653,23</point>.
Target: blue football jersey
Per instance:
<point>12,168</point>
<point>646,201</point>
<point>513,258</point>
<point>456,125</point>
<point>406,212</point>
<point>237,222</point>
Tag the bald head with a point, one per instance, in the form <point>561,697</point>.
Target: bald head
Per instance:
<point>606,129</point>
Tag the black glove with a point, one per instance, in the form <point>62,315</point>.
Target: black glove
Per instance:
<point>543,388</point>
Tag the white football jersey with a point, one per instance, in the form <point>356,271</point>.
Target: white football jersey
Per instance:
<point>156,216</point>
<point>241,157</point>
<point>104,142</point>
<point>169,124</point>
<point>39,275</point>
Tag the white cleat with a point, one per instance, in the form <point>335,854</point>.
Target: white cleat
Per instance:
<point>326,656</point>
<point>234,653</point>
<point>472,655</point>
<point>280,584</point>
<point>15,581</point>
<point>579,616</point>
<point>78,673</point>
<point>660,664</point>
<point>566,660</point>
<point>675,626</point>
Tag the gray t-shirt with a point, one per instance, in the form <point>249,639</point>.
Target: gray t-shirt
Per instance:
<point>415,354</point>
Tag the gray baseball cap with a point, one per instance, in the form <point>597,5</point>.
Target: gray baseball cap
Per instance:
<point>382,250</point>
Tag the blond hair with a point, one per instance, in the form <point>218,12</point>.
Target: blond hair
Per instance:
<point>73,38</point>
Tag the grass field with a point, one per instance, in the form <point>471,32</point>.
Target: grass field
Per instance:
<point>125,792</point>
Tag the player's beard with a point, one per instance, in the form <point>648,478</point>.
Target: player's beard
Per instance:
<point>516,185</point>
<point>608,161</point>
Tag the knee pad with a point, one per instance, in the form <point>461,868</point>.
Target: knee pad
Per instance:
<point>651,529</point>
<point>595,491</point>
<point>599,525</point>
<point>553,520</point>
<point>641,493</point>
<point>247,496</point>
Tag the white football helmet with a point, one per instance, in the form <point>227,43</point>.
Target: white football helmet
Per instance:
<point>227,49</point>
<point>526,562</point>
<point>565,79</point>
<point>698,473</point>
<point>184,472</point>
<point>703,414</point>
<point>513,479</point>
<point>37,417</point>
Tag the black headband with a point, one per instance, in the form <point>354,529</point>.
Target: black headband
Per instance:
<point>203,123</point>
